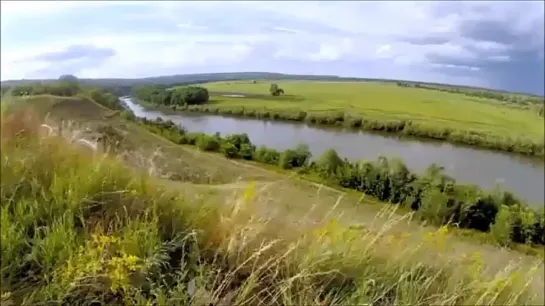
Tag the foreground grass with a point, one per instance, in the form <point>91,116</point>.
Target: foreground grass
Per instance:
<point>80,228</point>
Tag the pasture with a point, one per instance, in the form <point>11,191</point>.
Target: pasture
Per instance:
<point>380,101</point>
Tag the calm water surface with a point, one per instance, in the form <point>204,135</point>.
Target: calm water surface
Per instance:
<point>522,175</point>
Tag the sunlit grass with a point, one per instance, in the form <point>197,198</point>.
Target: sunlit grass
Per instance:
<point>78,227</point>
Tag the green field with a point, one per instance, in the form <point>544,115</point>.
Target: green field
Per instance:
<point>386,101</point>
<point>147,223</point>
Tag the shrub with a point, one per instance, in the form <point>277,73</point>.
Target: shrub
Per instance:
<point>501,229</point>
<point>302,155</point>
<point>246,151</point>
<point>288,159</point>
<point>238,140</point>
<point>229,150</point>
<point>329,161</point>
<point>267,155</point>
<point>190,138</point>
<point>207,143</point>
<point>128,115</point>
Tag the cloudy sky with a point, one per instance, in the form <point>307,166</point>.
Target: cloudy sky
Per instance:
<point>492,44</point>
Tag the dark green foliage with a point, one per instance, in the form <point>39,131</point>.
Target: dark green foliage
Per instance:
<point>128,115</point>
<point>434,195</point>
<point>288,159</point>
<point>246,151</point>
<point>275,90</point>
<point>329,162</point>
<point>267,155</point>
<point>238,140</point>
<point>186,95</point>
<point>303,155</point>
<point>68,78</point>
<point>189,95</point>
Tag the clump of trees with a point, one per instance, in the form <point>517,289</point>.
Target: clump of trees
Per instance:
<point>183,95</point>
<point>275,90</point>
<point>435,196</point>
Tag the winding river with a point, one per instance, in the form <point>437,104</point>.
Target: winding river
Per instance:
<point>522,175</point>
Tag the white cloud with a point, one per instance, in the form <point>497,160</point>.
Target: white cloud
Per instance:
<point>384,49</point>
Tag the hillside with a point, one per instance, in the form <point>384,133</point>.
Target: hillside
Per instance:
<point>182,226</point>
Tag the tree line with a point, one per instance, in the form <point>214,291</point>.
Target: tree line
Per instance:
<point>183,95</point>
<point>435,196</point>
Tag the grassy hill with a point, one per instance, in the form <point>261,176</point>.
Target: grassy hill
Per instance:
<point>155,222</point>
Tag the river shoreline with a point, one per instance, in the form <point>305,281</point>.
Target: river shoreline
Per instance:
<point>485,168</point>
<point>396,131</point>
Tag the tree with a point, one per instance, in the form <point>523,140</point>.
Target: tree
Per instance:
<point>275,90</point>
<point>329,161</point>
<point>68,78</point>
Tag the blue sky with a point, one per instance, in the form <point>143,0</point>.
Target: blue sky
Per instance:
<point>492,44</point>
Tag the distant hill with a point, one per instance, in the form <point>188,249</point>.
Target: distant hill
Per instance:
<point>124,85</point>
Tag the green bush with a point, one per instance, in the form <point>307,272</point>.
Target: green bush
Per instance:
<point>329,161</point>
<point>246,151</point>
<point>190,138</point>
<point>207,143</point>
<point>288,159</point>
<point>303,155</point>
<point>267,155</point>
<point>229,150</point>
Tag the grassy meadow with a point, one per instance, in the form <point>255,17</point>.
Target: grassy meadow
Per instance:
<point>149,222</point>
<point>385,101</point>
<point>411,111</point>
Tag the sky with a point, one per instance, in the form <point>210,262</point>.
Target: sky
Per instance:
<point>496,44</point>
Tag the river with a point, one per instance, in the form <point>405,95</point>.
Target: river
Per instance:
<point>522,175</point>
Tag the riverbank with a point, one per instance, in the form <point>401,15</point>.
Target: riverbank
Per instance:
<point>385,102</point>
<point>521,174</point>
<point>436,197</point>
<point>397,128</point>
<point>402,128</point>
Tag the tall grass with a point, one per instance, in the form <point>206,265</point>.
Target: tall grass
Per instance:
<point>81,229</point>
